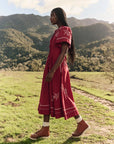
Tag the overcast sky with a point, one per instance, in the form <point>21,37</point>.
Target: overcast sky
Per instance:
<point>99,9</point>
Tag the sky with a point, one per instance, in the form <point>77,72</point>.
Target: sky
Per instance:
<point>81,9</point>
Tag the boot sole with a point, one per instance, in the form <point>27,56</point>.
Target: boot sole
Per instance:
<point>81,133</point>
<point>44,137</point>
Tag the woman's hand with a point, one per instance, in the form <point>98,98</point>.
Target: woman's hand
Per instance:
<point>49,76</point>
<point>57,63</point>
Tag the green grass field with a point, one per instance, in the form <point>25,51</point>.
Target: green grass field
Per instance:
<point>19,97</point>
<point>96,83</point>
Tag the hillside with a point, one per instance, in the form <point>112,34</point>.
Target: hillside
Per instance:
<point>16,49</point>
<point>95,56</point>
<point>18,52</point>
<point>81,35</point>
<point>73,22</point>
<point>23,22</point>
<point>24,42</point>
<point>13,42</point>
<point>86,34</point>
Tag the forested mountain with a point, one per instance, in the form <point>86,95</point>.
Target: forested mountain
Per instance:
<point>24,42</point>
<point>86,34</point>
<point>95,56</point>
<point>23,22</point>
<point>73,22</point>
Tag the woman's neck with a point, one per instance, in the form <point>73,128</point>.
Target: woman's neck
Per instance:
<point>59,24</point>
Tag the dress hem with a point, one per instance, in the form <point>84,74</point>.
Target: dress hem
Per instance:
<point>60,116</point>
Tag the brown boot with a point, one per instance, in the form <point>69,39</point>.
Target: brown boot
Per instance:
<point>81,127</point>
<point>43,132</point>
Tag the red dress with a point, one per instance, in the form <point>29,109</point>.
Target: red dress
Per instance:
<point>56,97</point>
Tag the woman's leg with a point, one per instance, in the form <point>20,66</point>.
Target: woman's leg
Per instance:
<point>46,118</point>
<point>77,116</point>
<point>81,126</point>
<point>44,131</point>
<point>46,121</point>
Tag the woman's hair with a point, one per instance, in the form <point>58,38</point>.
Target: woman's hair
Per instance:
<point>61,15</point>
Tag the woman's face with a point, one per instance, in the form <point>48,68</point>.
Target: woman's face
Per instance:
<point>53,18</point>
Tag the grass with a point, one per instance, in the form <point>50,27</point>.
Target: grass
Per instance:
<point>94,83</point>
<point>19,97</point>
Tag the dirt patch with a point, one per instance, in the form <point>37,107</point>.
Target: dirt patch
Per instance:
<point>74,77</point>
<point>33,96</point>
<point>11,103</point>
<point>10,140</point>
<point>104,131</point>
<point>77,78</point>
<point>18,95</point>
<point>1,127</point>
<point>104,102</point>
<point>96,129</point>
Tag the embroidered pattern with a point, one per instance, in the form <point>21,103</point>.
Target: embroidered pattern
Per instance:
<point>64,90</point>
<point>67,33</point>
<point>63,38</point>
<point>56,96</point>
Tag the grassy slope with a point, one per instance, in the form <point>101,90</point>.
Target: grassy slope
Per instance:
<point>19,117</point>
<point>94,83</point>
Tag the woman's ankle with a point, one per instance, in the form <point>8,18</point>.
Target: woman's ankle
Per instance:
<point>45,124</point>
<point>78,118</point>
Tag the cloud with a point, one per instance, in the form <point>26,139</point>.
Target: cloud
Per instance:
<point>72,7</point>
<point>111,7</point>
<point>25,4</point>
<point>109,14</point>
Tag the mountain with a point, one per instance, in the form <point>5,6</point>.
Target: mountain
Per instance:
<point>86,34</point>
<point>23,22</point>
<point>73,22</point>
<point>95,56</point>
<point>14,42</point>
<point>24,42</point>
<point>16,50</point>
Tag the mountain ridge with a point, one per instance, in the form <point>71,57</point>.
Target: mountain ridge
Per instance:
<point>24,42</point>
<point>12,21</point>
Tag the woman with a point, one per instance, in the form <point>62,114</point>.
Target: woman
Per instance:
<point>56,95</point>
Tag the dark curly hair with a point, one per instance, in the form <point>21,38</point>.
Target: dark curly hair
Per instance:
<point>61,15</point>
